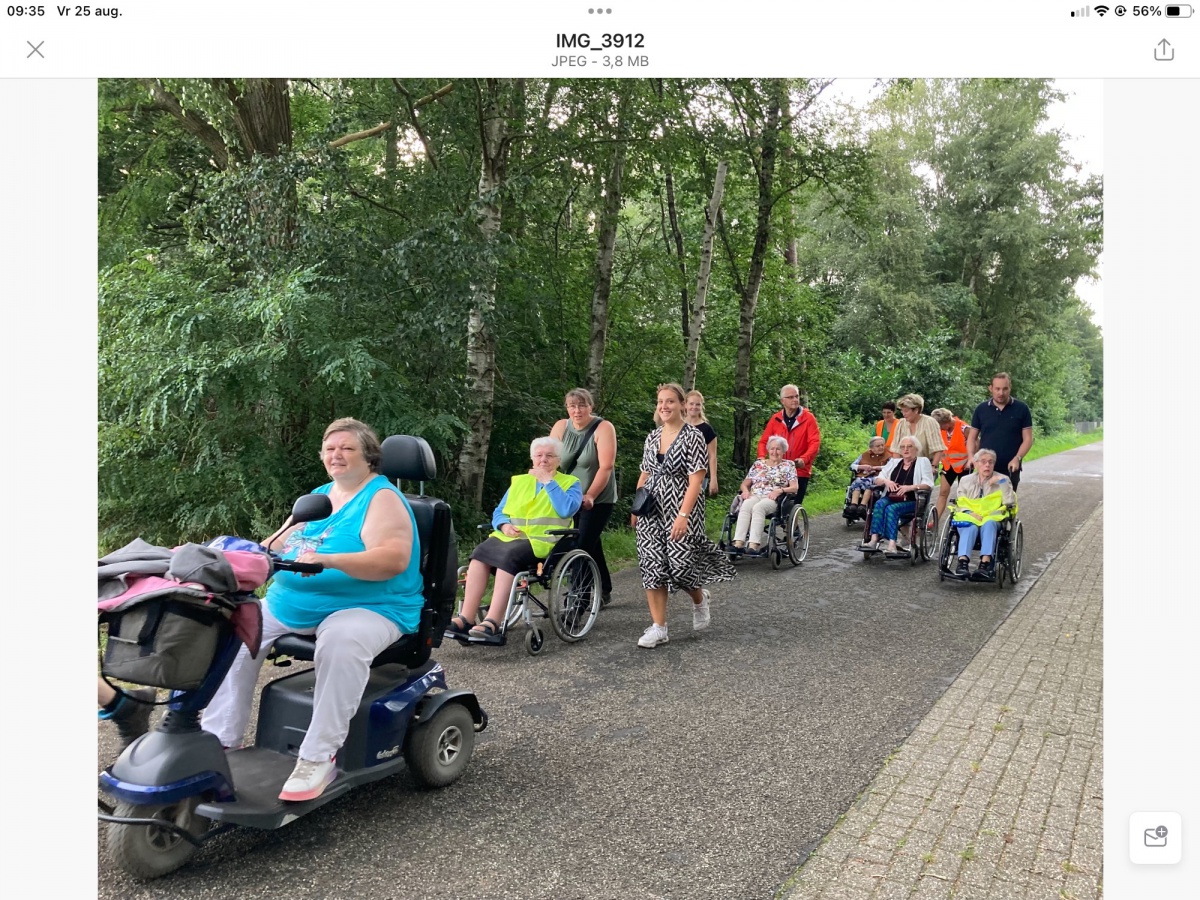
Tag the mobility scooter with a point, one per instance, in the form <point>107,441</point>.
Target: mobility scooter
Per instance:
<point>172,785</point>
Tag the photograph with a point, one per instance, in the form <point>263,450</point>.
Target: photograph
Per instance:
<point>635,487</point>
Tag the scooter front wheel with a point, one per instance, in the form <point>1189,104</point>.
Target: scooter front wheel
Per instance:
<point>150,851</point>
<point>438,751</point>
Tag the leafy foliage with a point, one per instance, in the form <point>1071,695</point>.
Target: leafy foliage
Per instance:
<point>276,254</point>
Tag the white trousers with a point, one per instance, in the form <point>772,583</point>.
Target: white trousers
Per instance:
<point>347,641</point>
<point>751,516</point>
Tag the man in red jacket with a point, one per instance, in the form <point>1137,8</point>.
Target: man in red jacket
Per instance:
<point>798,427</point>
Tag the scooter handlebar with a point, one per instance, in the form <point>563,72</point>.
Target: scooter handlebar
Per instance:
<point>289,565</point>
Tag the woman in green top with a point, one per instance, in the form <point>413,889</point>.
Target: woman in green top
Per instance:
<point>589,453</point>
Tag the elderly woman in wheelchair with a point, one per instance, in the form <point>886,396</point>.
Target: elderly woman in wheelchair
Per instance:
<point>762,492</point>
<point>527,524</point>
<point>983,501</point>
<point>766,513</point>
<point>905,483</point>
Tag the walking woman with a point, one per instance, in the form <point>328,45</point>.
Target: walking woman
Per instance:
<point>674,553</point>
<point>694,406</point>
<point>589,453</point>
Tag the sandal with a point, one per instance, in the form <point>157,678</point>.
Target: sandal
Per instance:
<point>456,630</point>
<point>486,632</point>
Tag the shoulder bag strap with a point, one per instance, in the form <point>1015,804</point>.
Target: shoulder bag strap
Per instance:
<point>567,464</point>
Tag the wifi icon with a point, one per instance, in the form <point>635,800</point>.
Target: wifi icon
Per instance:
<point>1100,10</point>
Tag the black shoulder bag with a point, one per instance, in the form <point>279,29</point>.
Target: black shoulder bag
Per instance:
<point>644,501</point>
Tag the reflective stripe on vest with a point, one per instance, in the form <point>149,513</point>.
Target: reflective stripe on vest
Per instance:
<point>976,512</point>
<point>956,446</point>
<point>531,511</point>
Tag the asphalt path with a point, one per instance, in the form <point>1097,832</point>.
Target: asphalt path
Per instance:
<point>705,768</point>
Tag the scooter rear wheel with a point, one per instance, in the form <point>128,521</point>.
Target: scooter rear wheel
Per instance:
<point>147,851</point>
<point>438,751</point>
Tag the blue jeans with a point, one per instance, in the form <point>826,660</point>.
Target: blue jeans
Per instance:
<point>987,539</point>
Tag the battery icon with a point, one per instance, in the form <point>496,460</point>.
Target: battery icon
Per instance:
<point>1179,12</point>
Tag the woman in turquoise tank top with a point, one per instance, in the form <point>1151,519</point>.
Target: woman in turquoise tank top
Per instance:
<point>367,597</point>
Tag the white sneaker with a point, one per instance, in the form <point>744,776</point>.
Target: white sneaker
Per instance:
<point>654,635</point>
<point>308,780</point>
<point>701,617</point>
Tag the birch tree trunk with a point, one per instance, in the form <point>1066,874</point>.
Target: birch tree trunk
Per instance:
<point>768,147</point>
<point>494,100</point>
<point>697,323</point>
<point>677,235</point>
<point>604,262</point>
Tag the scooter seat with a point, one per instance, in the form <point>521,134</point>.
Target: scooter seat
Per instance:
<point>410,650</point>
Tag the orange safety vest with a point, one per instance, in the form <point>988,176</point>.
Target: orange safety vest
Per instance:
<point>956,446</point>
<point>891,434</point>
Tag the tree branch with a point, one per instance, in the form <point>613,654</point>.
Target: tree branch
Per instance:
<point>193,124</point>
<point>412,116</point>
<point>384,126</point>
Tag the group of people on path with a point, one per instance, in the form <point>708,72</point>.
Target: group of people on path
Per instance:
<point>978,462</point>
<point>370,592</point>
<point>571,483</point>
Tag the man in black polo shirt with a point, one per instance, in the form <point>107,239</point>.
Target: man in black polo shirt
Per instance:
<point>1004,425</point>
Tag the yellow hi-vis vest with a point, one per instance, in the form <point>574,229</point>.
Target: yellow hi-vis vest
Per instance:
<point>986,509</point>
<point>531,511</point>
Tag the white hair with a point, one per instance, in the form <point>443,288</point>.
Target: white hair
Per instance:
<point>552,442</point>
<point>915,442</point>
<point>777,438</point>
<point>984,451</point>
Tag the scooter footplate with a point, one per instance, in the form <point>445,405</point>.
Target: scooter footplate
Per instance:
<point>259,775</point>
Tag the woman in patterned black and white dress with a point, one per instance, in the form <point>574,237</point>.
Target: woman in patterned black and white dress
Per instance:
<point>674,552</point>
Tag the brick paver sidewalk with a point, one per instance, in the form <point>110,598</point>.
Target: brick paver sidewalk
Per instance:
<point>997,794</point>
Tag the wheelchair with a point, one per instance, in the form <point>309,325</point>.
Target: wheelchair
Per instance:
<point>1010,545</point>
<point>563,588</point>
<point>921,526</point>
<point>785,533</point>
<point>850,512</point>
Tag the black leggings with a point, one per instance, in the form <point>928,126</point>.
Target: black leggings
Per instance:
<point>590,523</point>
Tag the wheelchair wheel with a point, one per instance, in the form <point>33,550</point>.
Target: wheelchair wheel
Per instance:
<point>1016,546</point>
<point>949,552</point>
<point>929,534</point>
<point>534,641</point>
<point>725,542</point>
<point>797,535</point>
<point>574,596</point>
<point>918,529</point>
